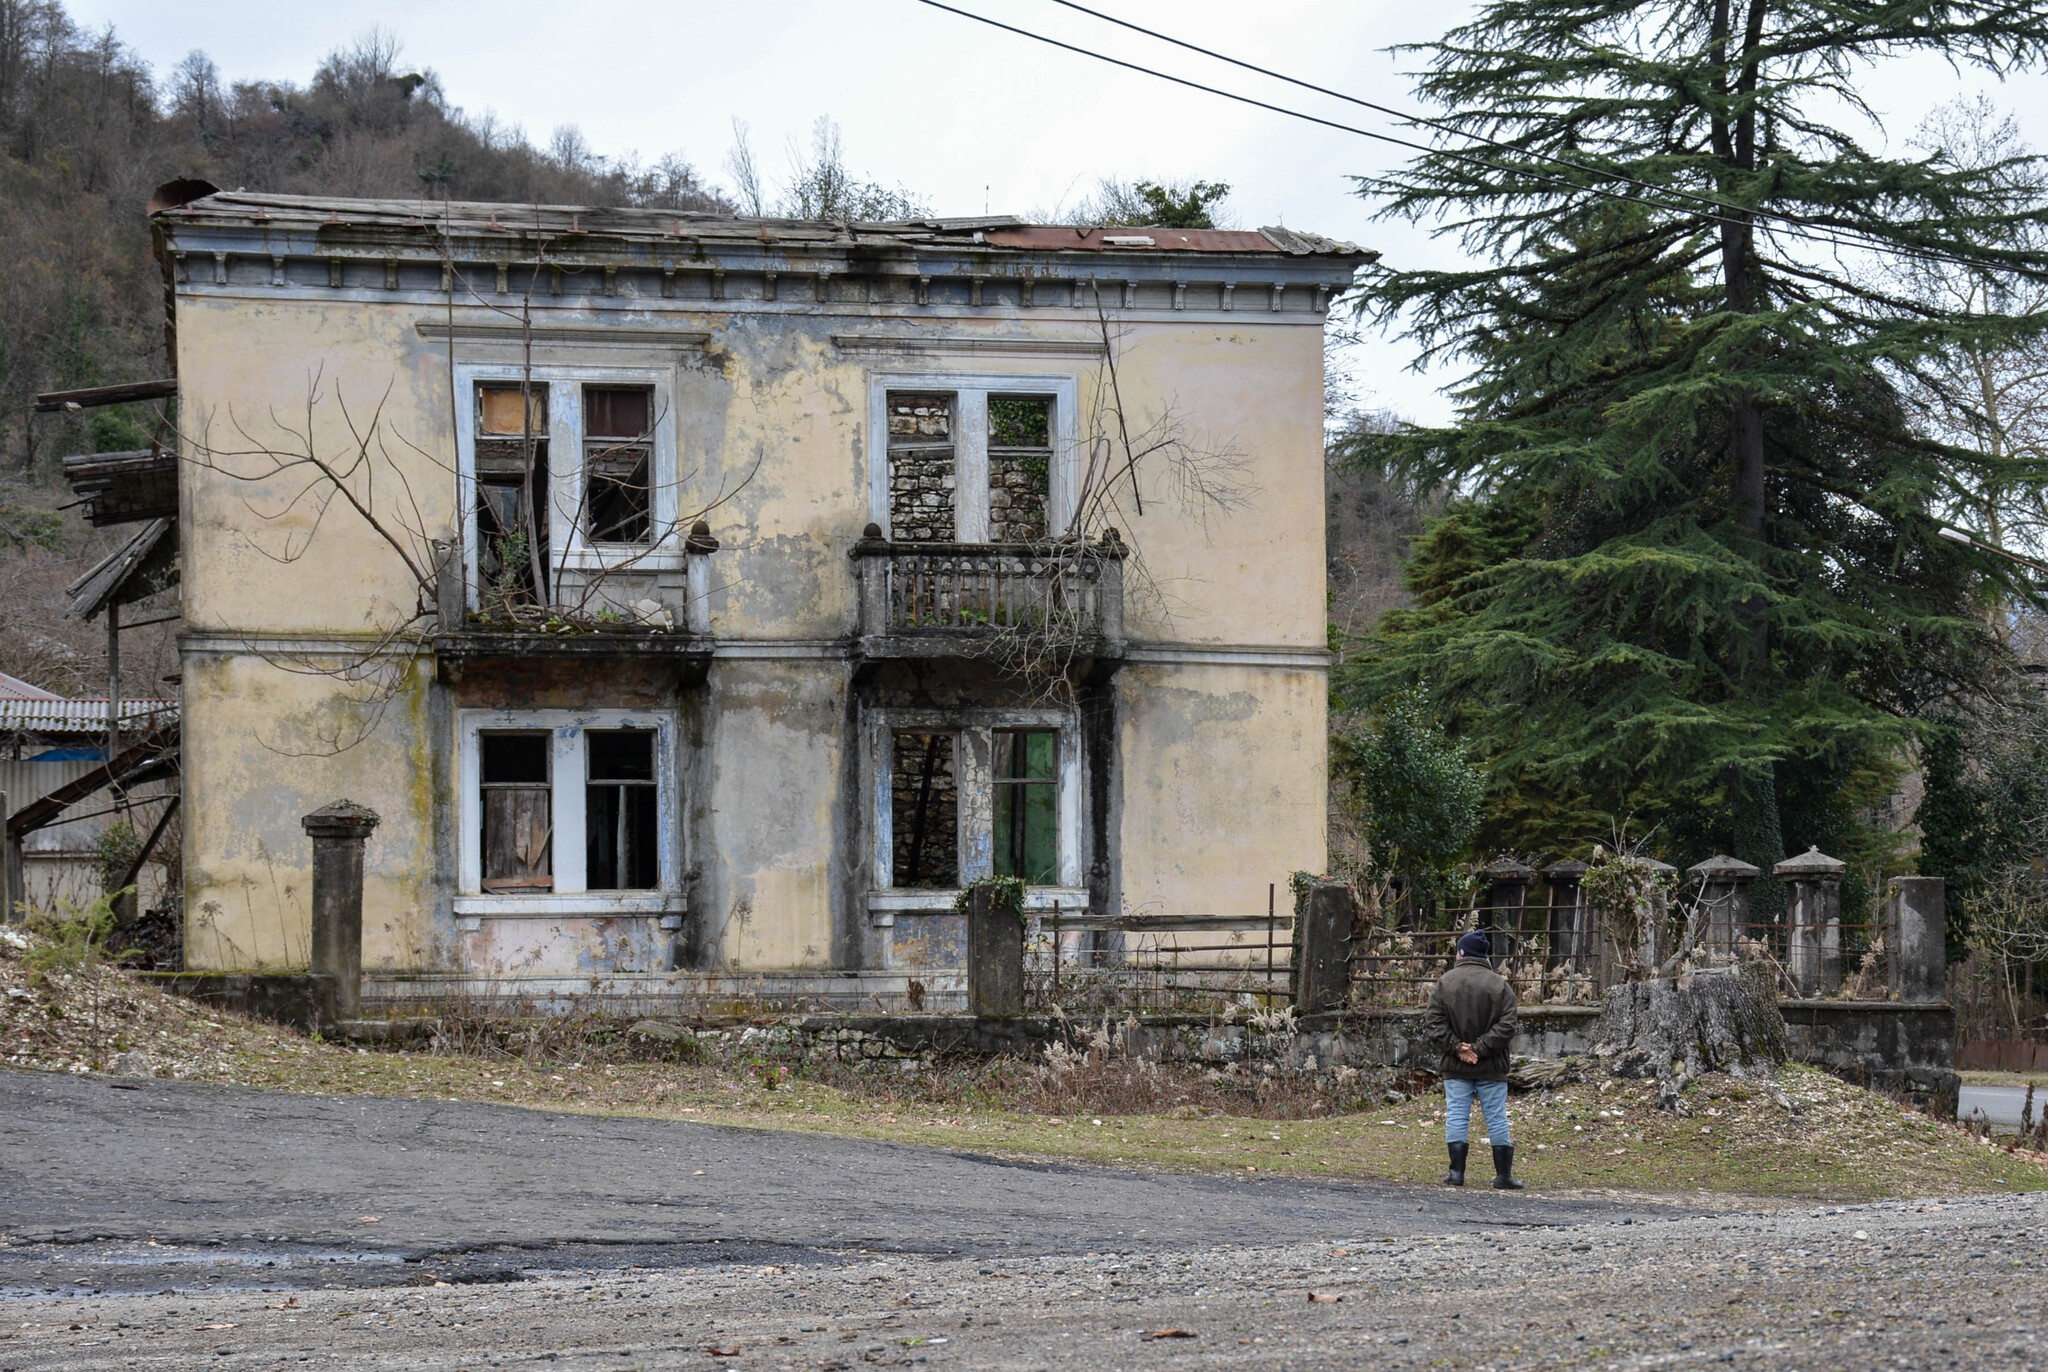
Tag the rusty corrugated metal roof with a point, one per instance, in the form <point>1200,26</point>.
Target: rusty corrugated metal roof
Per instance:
<point>1107,238</point>
<point>593,224</point>
<point>87,716</point>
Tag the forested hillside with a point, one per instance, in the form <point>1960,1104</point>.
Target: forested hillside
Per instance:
<point>87,130</point>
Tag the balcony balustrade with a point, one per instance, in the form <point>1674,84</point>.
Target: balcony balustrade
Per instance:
<point>1059,600</point>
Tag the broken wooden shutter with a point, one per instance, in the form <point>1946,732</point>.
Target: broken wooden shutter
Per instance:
<point>511,443</point>
<point>518,810</point>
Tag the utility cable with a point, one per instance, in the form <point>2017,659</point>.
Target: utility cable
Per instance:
<point>1789,225</point>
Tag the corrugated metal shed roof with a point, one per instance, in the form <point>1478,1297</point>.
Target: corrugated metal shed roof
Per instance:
<point>14,688</point>
<point>57,716</point>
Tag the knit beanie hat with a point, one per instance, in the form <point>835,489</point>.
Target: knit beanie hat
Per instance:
<point>1476,945</point>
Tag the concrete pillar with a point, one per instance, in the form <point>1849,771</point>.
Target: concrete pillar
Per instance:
<point>1655,936</point>
<point>1504,895</point>
<point>1916,941</point>
<point>451,595</point>
<point>995,957</point>
<point>871,567</point>
<point>1724,896</point>
<point>1109,622</point>
<point>1322,979</point>
<point>1813,917</point>
<point>338,832</point>
<point>697,550</point>
<point>1567,906</point>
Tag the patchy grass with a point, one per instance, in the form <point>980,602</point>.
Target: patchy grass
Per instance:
<point>1838,1142</point>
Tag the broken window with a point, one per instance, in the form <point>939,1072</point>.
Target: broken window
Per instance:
<point>1019,467</point>
<point>622,841</point>
<point>924,811</point>
<point>618,464</point>
<point>1027,806</point>
<point>518,811</point>
<point>921,467</point>
<point>511,490</point>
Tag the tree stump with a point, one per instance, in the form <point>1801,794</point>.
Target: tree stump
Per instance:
<point>1716,1020</point>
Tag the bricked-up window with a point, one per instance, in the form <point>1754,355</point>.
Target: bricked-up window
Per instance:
<point>518,810</point>
<point>924,812</point>
<point>1027,805</point>
<point>510,424</point>
<point>619,812</point>
<point>1019,467</point>
<point>921,467</point>
<point>618,464</point>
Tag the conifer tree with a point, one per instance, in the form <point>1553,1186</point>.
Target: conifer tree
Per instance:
<point>1698,535</point>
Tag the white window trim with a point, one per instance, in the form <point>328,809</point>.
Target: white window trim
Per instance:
<point>972,731</point>
<point>569,773</point>
<point>565,467</point>
<point>970,442</point>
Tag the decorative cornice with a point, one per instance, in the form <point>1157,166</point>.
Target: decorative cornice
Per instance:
<point>911,344</point>
<point>609,335</point>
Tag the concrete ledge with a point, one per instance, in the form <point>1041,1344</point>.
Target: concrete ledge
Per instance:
<point>696,995</point>
<point>1901,1047</point>
<point>302,1000</point>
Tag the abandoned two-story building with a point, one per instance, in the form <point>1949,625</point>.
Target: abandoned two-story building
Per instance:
<point>697,599</point>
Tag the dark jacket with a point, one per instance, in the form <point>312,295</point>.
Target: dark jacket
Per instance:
<point>1472,1004</point>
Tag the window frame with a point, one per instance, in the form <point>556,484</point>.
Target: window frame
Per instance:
<point>970,391</point>
<point>569,550</point>
<point>973,755</point>
<point>567,777</point>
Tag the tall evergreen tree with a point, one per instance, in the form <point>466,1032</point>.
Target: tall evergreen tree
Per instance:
<point>1702,537</point>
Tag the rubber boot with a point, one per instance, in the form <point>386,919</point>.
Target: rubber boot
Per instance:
<point>1504,1168</point>
<point>1456,1176</point>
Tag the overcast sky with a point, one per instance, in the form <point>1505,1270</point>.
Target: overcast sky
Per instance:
<point>967,116</point>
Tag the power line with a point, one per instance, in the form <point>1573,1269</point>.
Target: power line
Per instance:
<point>1790,225</point>
<point>1453,131</point>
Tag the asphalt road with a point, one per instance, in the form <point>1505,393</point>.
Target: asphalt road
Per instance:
<point>2001,1105</point>
<point>173,1225</point>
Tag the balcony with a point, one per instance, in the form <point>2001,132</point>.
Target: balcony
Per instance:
<point>640,621</point>
<point>1055,602</point>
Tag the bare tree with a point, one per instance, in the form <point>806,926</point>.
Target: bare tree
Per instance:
<point>1995,399</point>
<point>339,458</point>
<point>820,186</point>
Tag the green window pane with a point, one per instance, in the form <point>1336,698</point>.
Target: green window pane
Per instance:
<point>1027,805</point>
<point>1027,755</point>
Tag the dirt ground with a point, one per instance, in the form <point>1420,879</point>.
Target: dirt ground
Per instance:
<point>1844,1143</point>
<point>264,1230</point>
<point>190,1188</point>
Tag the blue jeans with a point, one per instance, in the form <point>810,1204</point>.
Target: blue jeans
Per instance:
<point>1493,1099</point>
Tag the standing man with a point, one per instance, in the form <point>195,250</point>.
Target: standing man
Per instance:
<point>1472,1020</point>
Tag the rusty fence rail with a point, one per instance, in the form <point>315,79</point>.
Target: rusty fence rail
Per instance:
<point>1399,967</point>
<point>1086,963</point>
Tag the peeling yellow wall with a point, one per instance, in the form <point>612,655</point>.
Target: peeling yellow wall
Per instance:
<point>1222,764</point>
<point>260,751</point>
<point>1223,788</point>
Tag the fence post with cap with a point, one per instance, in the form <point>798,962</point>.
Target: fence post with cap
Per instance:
<point>338,832</point>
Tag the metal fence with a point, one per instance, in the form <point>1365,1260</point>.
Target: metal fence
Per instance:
<point>1399,967</point>
<point>1563,953</point>
<point>1157,964</point>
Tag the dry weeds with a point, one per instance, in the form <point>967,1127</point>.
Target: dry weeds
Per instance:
<point>1824,1139</point>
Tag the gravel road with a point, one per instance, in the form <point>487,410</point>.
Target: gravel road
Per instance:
<point>240,1229</point>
